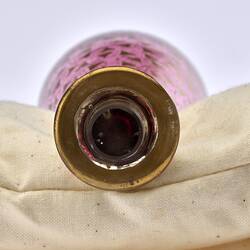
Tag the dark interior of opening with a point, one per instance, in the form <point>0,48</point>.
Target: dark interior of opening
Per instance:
<point>116,132</point>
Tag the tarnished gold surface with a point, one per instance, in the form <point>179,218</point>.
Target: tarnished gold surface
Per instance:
<point>156,160</point>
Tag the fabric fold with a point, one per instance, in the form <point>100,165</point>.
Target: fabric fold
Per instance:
<point>202,199</point>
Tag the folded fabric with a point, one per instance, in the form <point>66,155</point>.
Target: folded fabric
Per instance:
<point>201,200</point>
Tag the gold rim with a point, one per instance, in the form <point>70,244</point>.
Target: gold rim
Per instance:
<point>157,159</point>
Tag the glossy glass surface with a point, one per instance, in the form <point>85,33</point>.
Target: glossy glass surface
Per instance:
<point>130,49</point>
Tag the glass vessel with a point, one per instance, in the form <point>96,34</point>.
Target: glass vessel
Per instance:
<point>117,96</point>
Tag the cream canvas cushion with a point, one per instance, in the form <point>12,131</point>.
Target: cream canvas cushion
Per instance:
<point>201,200</point>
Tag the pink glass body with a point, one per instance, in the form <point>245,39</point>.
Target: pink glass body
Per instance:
<point>135,50</point>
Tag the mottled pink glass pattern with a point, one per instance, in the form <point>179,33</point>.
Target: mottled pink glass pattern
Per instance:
<point>130,49</point>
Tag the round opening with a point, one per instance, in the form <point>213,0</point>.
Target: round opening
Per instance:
<point>116,132</point>
<point>115,129</point>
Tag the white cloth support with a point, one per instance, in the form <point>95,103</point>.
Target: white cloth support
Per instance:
<point>201,200</point>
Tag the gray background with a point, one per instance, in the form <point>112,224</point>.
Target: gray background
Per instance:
<point>214,34</point>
